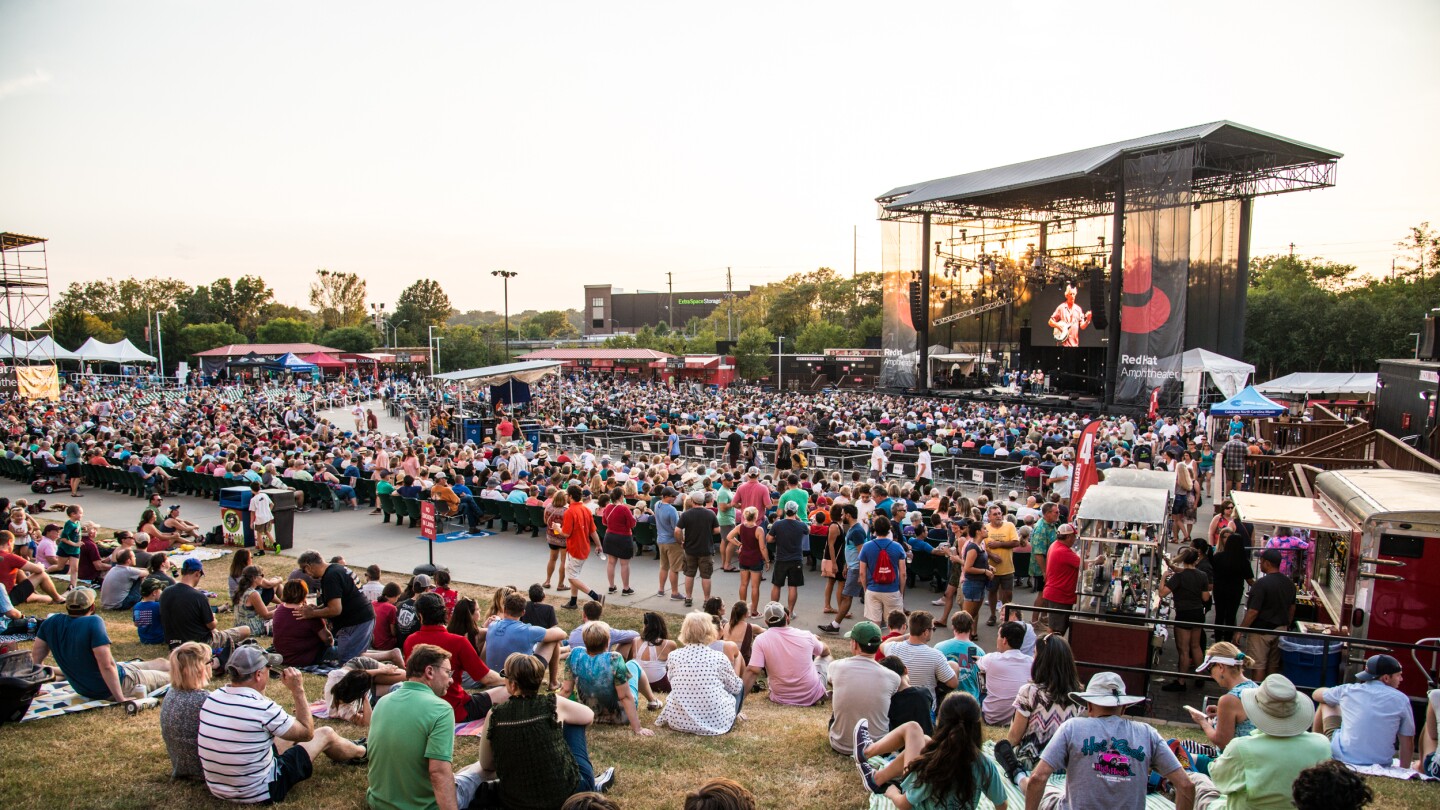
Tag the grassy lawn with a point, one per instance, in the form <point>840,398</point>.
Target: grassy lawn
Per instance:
<point>106,759</point>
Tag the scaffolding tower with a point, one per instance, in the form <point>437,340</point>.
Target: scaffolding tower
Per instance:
<point>25,317</point>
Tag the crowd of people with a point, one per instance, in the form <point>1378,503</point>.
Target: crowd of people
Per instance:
<point>407,662</point>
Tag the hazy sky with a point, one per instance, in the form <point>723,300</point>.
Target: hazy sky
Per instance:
<point>615,141</point>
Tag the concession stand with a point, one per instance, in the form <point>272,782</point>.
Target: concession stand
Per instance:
<point>1122,521</point>
<point>1365,556</point>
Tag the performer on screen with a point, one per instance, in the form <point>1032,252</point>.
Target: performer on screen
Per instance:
<point>1069,319</point>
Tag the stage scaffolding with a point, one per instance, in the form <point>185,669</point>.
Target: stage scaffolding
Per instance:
<point>25,284</point>
<point>999,234</point>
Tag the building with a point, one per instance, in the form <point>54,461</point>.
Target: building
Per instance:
<point>610,311</point>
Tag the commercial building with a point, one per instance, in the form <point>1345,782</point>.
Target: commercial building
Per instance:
<point>610,311</point>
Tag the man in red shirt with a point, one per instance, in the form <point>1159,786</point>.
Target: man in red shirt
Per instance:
<point>24,580</point>
<point>752,493</point>
<point>1062,571</point>
<point>468,705</point>
<point>577,526</point>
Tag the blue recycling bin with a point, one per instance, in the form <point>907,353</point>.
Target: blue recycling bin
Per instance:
<point>234,516</point>
<point>532,433</point>
<point>1312,662</point>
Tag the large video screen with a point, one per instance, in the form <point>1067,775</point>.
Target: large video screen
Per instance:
<point>1057,319</point>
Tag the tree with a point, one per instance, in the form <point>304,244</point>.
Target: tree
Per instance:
<point>128,304</point>
<point>350,338</point>
<point>339,297</point>
<point>285,330</point>
<point>468,347</point>
<point>420,306</point>
<point>818,336</point>
<point>752,352</point>
<point>199,337</point>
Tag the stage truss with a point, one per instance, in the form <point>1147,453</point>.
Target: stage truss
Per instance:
<point>25,285</point>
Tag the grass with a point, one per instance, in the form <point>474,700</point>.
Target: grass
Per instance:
<point>106,759</point>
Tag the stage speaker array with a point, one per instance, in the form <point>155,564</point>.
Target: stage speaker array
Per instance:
<point>917,307</point>
<point>1101,318</point>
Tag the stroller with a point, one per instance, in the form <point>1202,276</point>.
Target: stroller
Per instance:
<point>20,681</point>
<point>46,479</point>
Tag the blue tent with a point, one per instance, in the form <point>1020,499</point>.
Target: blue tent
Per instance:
<point>1247,403</point>
<point>290,362</point>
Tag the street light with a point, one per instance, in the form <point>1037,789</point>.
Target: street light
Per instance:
<point>506,275</point>
<point>780,364</point>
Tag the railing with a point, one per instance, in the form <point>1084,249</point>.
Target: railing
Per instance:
<point>1287,436</point>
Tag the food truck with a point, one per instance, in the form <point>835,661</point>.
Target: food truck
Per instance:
<point>1364,553</point>
<point>1122,521</point>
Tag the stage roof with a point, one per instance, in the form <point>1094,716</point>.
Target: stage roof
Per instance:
<point>276,349</point>
<point>596,354</point>
<point>1234,161</point>
<point>526,372</point>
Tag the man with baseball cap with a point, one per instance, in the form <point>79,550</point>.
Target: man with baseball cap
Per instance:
<point>81,647</point>
<point>1368,721</point>
<point>1062,572</point>
<point>794,661</point>
<point>1271,606</point>
<point>862,688</point>
<point>1106,757</point>
<point>186,615</point>
<point>251,750</point>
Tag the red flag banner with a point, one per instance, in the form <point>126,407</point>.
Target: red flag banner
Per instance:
<point>1085,473</point>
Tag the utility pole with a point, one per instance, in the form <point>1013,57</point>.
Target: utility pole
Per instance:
<point>730,300</point>
<point>430,340</point>
<point>780,364</point>
<point>160,341</point>
<point>1292,250</point>
<point>670,300</point>
<point>854,252</point>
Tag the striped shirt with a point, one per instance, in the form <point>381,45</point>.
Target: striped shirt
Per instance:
<point>925,665</point>
<point>236,740</point>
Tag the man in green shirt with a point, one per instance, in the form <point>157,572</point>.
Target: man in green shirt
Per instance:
<point>1040,540</point>
<point>412,738</point>
<point>801,497</point>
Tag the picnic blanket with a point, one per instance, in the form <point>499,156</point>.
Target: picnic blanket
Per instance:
<point>1014,798</point>
<point>1392,771</point>
<point>474,728</point>
<point>201,554</point>
<point>57,698</point>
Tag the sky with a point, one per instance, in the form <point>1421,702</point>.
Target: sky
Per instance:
<point>614,142</point>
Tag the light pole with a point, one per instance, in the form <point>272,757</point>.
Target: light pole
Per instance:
<point>430,340</point>
<point>780,364</point>
<point>506,275</point>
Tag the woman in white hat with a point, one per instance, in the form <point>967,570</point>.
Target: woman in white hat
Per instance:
<point>1106,756</point>
<point>1226,720</point>
<point>1258,770</point>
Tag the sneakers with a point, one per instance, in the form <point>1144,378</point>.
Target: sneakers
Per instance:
<point>676,596</point>
<point>571,605</point>
<point>831,628</point>
<point>612,589</point>
<point>689,603</point>
<point>862,741</point>
<point>660,594</point>
<point>938,602</point>
<point>605,781</point>
<point>628,592</point>
<point>1005,756</point>
<point>363,759</point>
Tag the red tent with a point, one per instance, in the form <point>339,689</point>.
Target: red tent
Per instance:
<point>324,361</point>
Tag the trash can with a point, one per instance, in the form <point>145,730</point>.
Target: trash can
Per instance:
<point>1311,662</point>
<point>284,509</point>
<point>235,516</point>
<point>532,433</point>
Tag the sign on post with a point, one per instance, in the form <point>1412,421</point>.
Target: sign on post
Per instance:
<point>427,519</point>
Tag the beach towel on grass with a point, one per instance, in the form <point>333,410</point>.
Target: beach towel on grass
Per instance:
<point>1153,801</point>
<point>320,709</point>
<point>1394,771</point>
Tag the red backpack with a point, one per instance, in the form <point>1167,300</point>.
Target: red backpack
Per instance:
<point>884,568</point>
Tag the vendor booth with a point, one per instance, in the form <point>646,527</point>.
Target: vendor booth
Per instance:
<point>1205,373</point>
<point>1365,558</point>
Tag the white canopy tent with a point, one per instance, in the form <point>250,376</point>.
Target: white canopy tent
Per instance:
<point>1227,375</point>
<point>93,351</point>
<point>966,362</point>
<point>1312,383</point>
<point>12,347</point>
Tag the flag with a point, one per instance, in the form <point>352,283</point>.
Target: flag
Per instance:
<point>1085,474</point>
<point>1154,402</point>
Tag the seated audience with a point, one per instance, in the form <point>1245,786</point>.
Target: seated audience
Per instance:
<point>120,589</point>
<point>81,647</point>
<point>926,666</point>
<point>705,692</point>
<point>180,710</point>
<point>385,636</point>
<point>510,635</point>
<point>963,653</point>
<point>909,704</point>
<point>1330,785</point>
<point>146,613</point>
<point>253,751</point>
<point>536,611</point>
<point>862,688</point>
<point>411,744</point>
<point>792,660</point>
<point>721,794</point>
<point>352,688</point>
<point>300,642</point>
<point>1003,672</point>
<point>249,606</point>
<point>1041,706</point>
<point>25,580</point>
<point>533,752</point>
<point>604,681</point>
<point>186,615</point>
<point>467,705</point>
<point>944,770</point>
<point>1225,720</point>
<point>652,651</point>
<point>1369,721</point>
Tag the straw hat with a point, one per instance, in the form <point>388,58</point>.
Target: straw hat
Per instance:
<point>1277,708</point>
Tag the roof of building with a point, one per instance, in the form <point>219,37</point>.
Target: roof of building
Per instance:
<point>596,354</point>
<point>1088,163</point>
<point>277,349</point>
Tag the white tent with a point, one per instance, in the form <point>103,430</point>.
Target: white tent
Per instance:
<point>93,351</point>
<point>1229,376</point>
<point>966,362</point>
<point>1310,383</point>
<point>44,347</point>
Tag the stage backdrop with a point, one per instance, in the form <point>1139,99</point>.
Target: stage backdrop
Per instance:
<point>901,254</point>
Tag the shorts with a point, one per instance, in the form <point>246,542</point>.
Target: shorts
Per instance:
<point>294,767</point>
<point>131,676</point>
<point>63,550</point>
<point>973,590</point>
<point>1181,504</point>
<point>758,568</point>
<point>956,573</point>
<point>478,705</point>
<point>672,557</point>
<point>852,587</point>
<point>228,637</point>
<point>619,546</point>
<point>878,604</point>
<point>790,572</point>
<point>573,566</point>
<point>1263,650</point>
<point>20,594</point>
<point>705,566</point>
<point>266,528</point>
<point>1003,582</point>
<point>74,471</point>
<point>1197,616</point>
